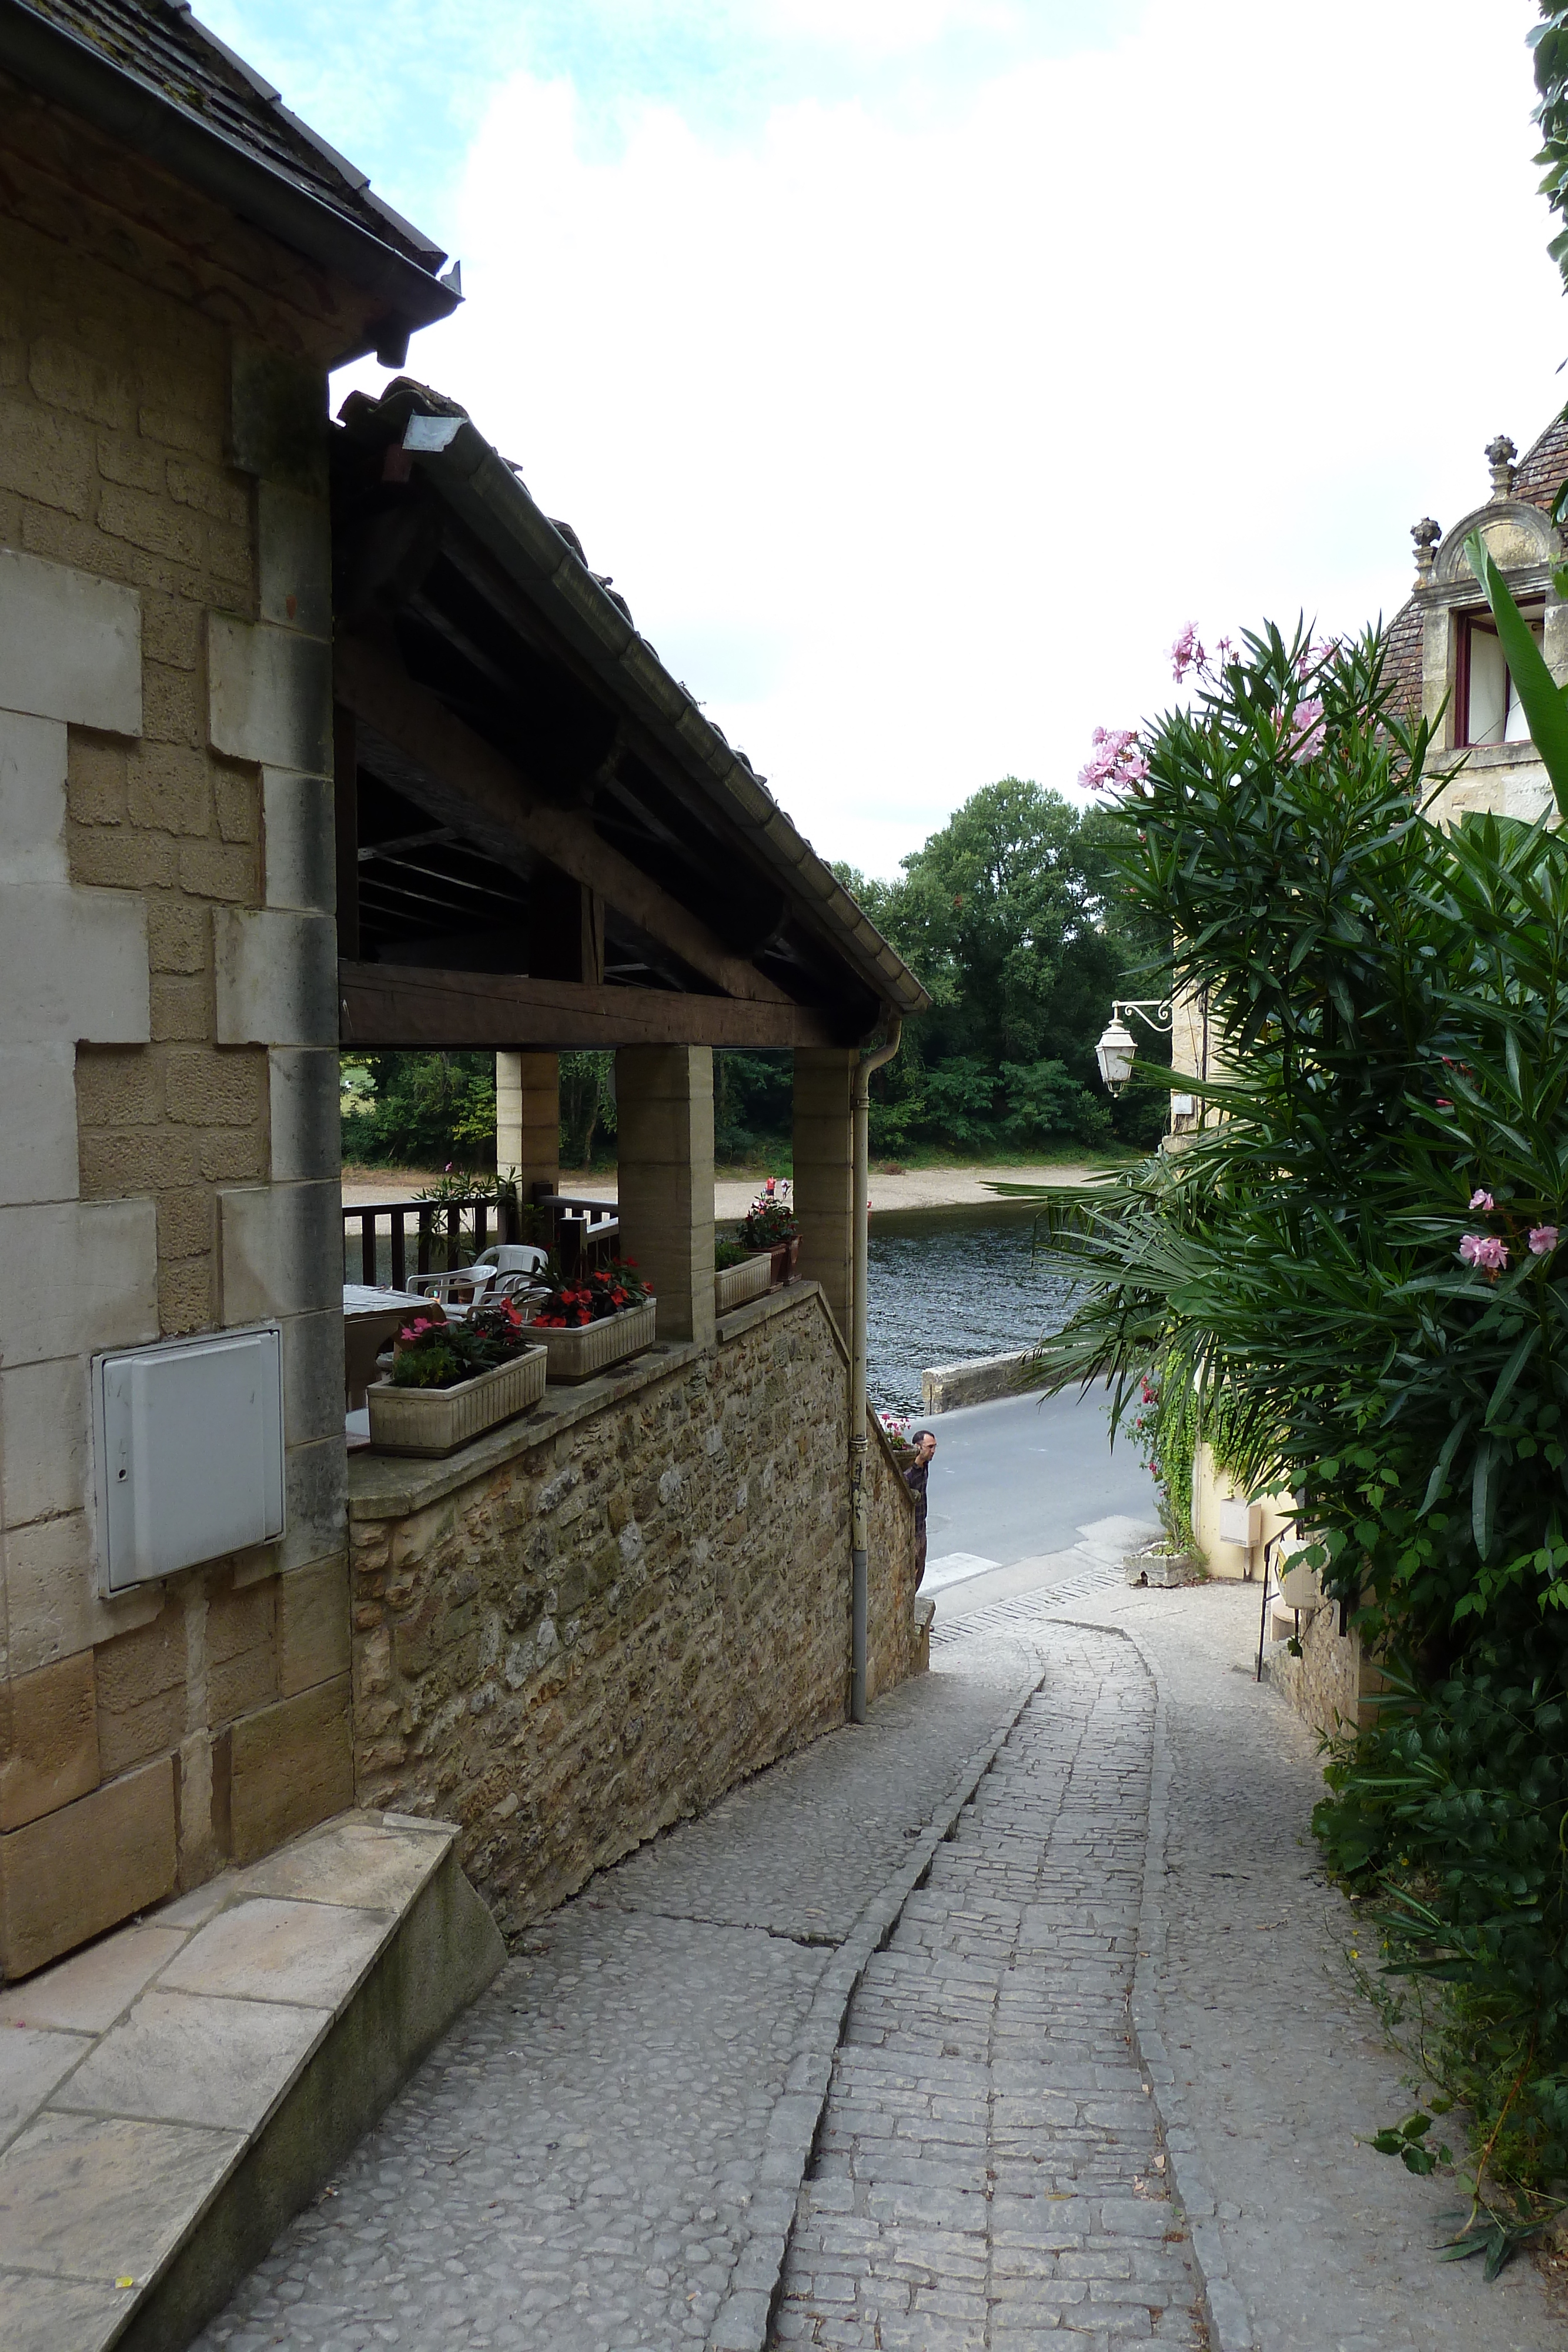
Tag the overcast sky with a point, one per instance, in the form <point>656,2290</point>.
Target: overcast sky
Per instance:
<point>919,367</point>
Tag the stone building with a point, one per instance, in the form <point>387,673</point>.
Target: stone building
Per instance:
<point>281,703</point>
<point>1444,658</point>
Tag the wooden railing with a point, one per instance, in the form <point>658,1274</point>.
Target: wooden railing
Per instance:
<point>387,1241</point>
<point>581,1233</point>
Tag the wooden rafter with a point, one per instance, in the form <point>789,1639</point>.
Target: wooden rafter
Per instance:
<point>473,788</point>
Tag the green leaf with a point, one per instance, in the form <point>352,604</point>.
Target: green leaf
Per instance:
<point>1538,690</point>
<point>1511,1373</point>
<point>1440,1467</point>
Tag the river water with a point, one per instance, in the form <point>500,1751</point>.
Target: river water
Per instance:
<point>947,1284</point>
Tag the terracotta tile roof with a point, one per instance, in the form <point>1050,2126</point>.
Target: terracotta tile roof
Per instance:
<point>1543,467</point>
<point>160,45</point>
<point>1402,665</point>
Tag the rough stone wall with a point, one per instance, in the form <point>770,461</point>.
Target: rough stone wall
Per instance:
<point>1327,1684</point>
<point>619,1619</point>
<point>167,1082</point>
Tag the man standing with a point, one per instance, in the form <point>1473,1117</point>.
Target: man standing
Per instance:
<point>916,1478</point>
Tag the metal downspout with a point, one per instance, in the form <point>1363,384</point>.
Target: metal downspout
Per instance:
<point>860,1578</point>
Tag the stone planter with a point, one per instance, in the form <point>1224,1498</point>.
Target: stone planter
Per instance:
<point>438,1421</point>
<point>579,1354</point>
<point>1158,1567</point>
<point>733,1284</point>
<point>784,1257</point>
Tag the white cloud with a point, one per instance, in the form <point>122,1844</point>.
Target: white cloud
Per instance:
<point>885,27</point>
<point>914,445</point>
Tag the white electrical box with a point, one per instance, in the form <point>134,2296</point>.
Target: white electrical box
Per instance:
<point>1240,1522</point>
<point>188,1453</point>
<point>1182,1105</point>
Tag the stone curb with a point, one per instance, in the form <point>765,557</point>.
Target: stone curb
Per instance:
<point>741,2321</point>
<point>1230,2321</point>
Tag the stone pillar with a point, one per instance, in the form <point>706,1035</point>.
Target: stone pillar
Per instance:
<point>824,1172</point>
<point>528,1119</point>
<point>663,1110</point>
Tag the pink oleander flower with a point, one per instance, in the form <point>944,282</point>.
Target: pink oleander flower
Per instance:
<point>1542,1240</point>
<point>1307,728</point>
<point>1486,1252</point>
<point>1115,760</point>
<point>1187,653</point>
<point>1479,1199</point>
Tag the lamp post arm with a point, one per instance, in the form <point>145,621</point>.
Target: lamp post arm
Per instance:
<point>1162,1021</point>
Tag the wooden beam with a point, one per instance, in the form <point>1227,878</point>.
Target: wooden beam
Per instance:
<point>346,817</point>
<point>382,1004</point>
<point>475,788</point>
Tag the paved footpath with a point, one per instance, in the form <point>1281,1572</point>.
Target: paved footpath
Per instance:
<point>908,2043</point>
<point>991,2167</point>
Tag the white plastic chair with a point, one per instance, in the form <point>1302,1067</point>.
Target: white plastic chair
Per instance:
<point>467,1286</point>
<point>513,1257</point>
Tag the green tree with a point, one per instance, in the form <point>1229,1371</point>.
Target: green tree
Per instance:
<point>1012,918</point>
<point>424,1110</point>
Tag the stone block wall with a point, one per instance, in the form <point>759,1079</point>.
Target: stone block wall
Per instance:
<point>605,1618</point>
<point>1331,1684</point>
<point>167,1008</point>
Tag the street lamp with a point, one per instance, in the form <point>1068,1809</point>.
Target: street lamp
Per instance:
<point>1118,1048</point>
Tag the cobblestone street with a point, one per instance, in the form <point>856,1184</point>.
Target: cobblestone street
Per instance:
<point>1021,2010</point>
<point>991,2166</point>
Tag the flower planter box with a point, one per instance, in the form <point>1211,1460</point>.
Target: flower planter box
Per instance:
<point>733,1284</point>
<point>1158,1567</point>
<point>438,1421</point>
<point>579,1355</point>
<point>783,1257</point>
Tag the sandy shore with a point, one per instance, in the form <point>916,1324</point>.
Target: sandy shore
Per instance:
<point>916,1188</point>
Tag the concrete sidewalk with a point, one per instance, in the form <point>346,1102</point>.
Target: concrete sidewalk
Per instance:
<point>861,2058</point>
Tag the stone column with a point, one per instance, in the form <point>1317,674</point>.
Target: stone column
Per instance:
<point>528,1119</point>
<point>824,1172</point>
<point>664,1106</point>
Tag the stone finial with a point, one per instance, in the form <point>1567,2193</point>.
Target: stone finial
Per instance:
<point>1426,534</point>
<point>1500,454</point>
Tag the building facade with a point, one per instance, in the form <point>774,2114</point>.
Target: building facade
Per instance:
<point>216,680</point>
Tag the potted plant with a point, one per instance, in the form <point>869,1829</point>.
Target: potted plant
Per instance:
<point>452,1380</point>
<point>769,1224</point>
<point>588,1321</point>
<point>895,1428</point>
<point>738,1274</point>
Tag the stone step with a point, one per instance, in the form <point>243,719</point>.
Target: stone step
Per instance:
<point>172,2095</point>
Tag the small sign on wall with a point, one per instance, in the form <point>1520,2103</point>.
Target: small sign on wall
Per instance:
<point>188,1453</point>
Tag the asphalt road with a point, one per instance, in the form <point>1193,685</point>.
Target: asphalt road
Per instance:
<point>1018,1479</point>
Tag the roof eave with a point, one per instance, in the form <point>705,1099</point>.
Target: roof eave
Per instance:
<point>483,489</point>
<point>51,60</point>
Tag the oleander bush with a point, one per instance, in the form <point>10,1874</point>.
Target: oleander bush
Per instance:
<point>1354,1263</point>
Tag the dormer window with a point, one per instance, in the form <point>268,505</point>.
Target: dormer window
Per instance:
<point>1487,708</point>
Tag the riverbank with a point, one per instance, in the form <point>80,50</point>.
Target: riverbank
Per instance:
<point>733,1193</point>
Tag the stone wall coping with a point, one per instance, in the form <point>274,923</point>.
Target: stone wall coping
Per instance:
<point>393,1487</point>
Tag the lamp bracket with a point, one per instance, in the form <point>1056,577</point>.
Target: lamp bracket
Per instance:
<point>1159,1007</point>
